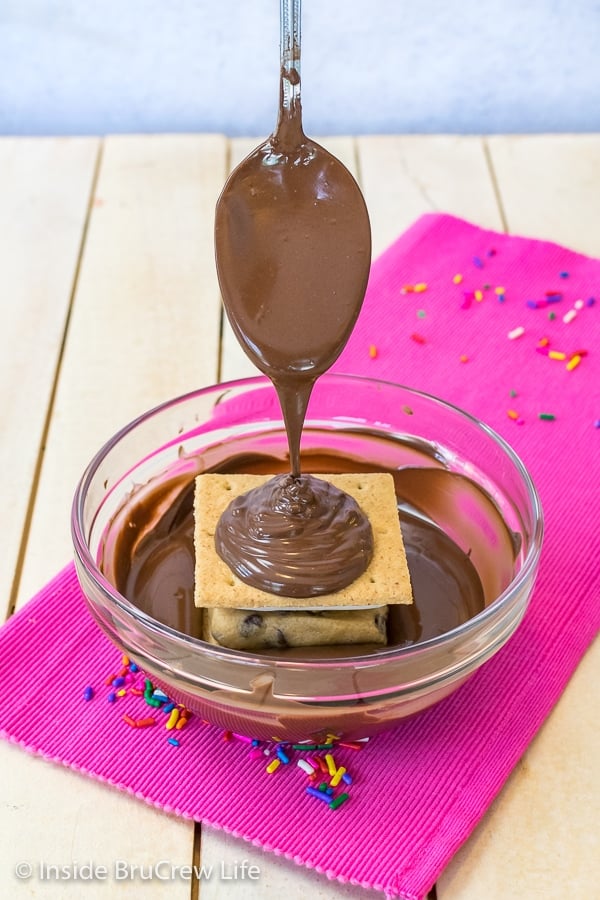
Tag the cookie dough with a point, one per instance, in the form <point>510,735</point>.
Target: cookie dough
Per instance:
<point>251,630</point>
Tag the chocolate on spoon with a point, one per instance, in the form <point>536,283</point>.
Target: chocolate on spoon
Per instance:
<point>293,251</point>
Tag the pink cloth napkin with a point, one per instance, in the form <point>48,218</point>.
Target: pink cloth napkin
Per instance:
<point>420,789</point>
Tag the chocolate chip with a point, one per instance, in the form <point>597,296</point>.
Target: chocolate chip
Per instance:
<point>380,623</point>
<point>251,624</point>
<point>281,638</point>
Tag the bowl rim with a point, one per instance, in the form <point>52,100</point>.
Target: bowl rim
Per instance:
<point>86,560</point>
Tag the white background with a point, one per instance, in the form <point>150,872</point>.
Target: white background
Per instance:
<point>100,66</point>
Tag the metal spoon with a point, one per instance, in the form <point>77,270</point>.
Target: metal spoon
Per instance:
<point>293,249</point>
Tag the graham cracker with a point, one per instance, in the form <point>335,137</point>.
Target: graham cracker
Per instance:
<point>385,581</point>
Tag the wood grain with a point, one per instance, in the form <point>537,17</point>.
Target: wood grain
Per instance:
<point>144,328</point>
<point>45,186</point>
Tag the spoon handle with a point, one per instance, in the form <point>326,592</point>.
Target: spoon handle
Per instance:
<point>290,13</point>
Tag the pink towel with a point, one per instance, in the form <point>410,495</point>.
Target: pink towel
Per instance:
<point>419,790</point>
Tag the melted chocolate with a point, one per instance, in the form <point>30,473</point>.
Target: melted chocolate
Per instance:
<point>296,537</point>
<point>293,251</point>
<point>152,563</point>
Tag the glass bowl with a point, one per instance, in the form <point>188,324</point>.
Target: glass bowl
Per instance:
<point>454,473</point>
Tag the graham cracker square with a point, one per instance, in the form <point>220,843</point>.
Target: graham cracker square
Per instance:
<point>385,581</point>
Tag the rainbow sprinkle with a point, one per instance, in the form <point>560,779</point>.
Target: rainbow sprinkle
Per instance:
<point>327,778</point>
<point>516,333</point>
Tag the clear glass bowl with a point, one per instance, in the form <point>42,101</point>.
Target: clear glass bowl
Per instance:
<point>394,427</point>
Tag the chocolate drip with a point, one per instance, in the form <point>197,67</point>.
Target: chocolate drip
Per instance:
<point>293,250</point>
<point>297,537</point>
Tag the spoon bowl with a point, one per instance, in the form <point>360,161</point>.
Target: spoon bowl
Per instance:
<point>293,249</point>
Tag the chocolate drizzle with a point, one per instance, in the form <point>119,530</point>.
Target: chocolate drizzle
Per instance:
<point>293,251</point>
<point>298,537</point>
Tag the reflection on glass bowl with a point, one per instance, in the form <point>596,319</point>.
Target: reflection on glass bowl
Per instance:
<point>466,502</point>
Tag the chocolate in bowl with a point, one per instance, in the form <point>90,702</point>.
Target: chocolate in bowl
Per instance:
<point>465,499</point>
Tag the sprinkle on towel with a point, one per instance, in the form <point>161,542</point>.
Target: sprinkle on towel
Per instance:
<point>516,333</point>
<point>546,417</point>
<point>310,757</point>
<point>373,351</point>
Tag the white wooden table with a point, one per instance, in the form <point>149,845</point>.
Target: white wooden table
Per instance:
<point>98,236</point>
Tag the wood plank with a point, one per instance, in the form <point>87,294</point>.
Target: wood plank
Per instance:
<point>234,362</point>
<point>404,177</point>
<point>45,186</point>
<point>144,328</point>
<point>550,187</point>
<point>278,877</point>
<point>146,319</point>
<point>540,837</point>
<point>54,816</point>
